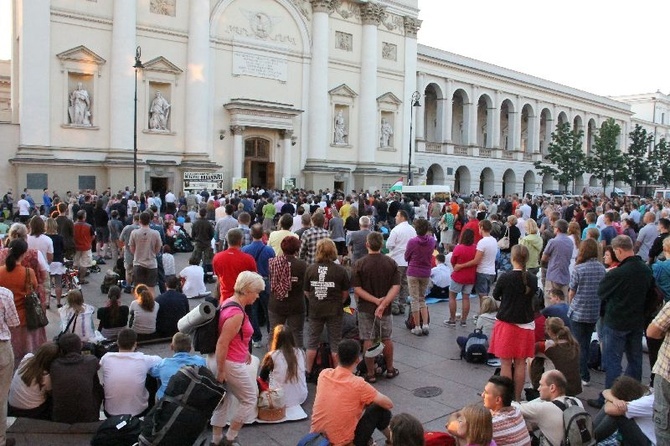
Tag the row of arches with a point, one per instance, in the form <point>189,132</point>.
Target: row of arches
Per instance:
<point>462,119</point>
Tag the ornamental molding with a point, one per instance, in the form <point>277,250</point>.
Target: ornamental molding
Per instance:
<point>343,90</point>
<point>162,65</point>
<point>80,54</point>
<point>412,26</point>
<point>372,14</point>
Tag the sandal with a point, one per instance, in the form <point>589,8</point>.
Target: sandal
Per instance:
<point>370,379</point>
<point>390,374</point>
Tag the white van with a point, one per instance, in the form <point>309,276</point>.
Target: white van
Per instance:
<point>662,194</point>
<point>440,193</point>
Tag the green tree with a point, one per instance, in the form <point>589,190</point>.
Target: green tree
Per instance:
<point>565,158</point>
<point>660,160</point>
<point>606,162</point>
<point>640,167</point>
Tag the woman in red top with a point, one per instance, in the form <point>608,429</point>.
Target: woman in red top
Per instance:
<point>462,280</point>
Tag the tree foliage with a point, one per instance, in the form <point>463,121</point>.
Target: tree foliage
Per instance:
<point>606,162</point>
<point>660,162</point>
<point>638,162</point>
<point>565,158</point>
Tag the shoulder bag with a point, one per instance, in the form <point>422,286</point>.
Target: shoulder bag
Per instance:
<point>503,243</point>
<point>67,327</point>
<point>35,315</point>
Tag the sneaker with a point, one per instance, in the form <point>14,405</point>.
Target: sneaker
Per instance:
<point>257,344</point>
<point>417,331</point>
<point>464,323</point>
<point>450,322</point>
<point>425,329</point>
<point>586,383</point>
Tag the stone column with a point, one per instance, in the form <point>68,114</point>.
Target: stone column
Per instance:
<point>197,140</point>
<point>534,131</point>
<point>514,126</point>
<point>288,144</point>
<point>368,120</point>
<point>472,117</point>
<point>411,25</point>
<point>319,115</point>
<point>238,150</point>
<point>122,78</point>
<point>495,131</point>
<point>449,109</point>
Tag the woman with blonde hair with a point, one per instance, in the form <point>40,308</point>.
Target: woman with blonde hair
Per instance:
<point>514,234</point>
<point>284,366</point>
<point>563,351</point>
<point>474,424</point>
<point>29,392</point>
<point>56,267</point>
<point>143,312</point>
<point>77,317</point>
<point>574,232</point>
<point>534,243</point>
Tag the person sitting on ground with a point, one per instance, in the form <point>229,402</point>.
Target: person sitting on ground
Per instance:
<point>508,425</point>
<point>75,388</point>
<point>168,262</point>
<point>172,306</point>
<point>163,371</point>
<point>557,306</point>
<point>143,312</point>
<point>284,366</point>
<point>406,430</point>
<point>114,316</point>
<point>77,317</point>
<point>193,280</point>
<point>440,278</point>
<point>349,421</point>
<point>124,377</point>
<point>30,390</point>
<point>545,413</point>
<point>629,408</point>
<point>473,426</point>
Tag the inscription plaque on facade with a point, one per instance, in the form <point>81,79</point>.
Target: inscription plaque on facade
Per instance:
<point>252,64</point>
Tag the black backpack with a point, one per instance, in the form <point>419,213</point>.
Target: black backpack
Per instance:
<point>595,356</point>
<point>323,360</point>
<point>118,430</point>
<point>206,336</point>
<point>476,348</point>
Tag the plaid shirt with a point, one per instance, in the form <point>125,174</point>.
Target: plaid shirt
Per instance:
<point>585,306</point>
<point>662,366</point>
<point>8,315</point>
<point>308,243</point>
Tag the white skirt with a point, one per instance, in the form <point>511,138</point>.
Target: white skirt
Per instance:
<point>57,268</point>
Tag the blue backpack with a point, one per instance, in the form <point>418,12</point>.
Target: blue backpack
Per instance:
<point>476,347</point>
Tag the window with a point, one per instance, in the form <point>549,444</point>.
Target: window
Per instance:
<point>37,180</point>
<point>87,182</point>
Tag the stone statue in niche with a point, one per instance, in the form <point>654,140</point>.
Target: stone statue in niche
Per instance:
<point>159,113</point>
<point>340,129</point>
<point>80,107</point>
<point>386,132</point>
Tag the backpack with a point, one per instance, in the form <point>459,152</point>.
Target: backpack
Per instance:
<point>409,322</point>
<point>379,364</point>
<point>595,356</point>
<point>118,430</point>
<point>438,439</point>
<point>476,349</point>
<point>322,360</point>
<point>314,439</point>
<point>206,336</point>
<point>577,424</point>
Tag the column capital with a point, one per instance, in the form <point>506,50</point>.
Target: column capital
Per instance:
<point>322,6</point>
<point>236,129</point>
<point>286,133</point>
<point>412,26</point>
<point>372,14</point>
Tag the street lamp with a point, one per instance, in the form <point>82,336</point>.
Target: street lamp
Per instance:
<point>138,66</point>
<point>414,103</point>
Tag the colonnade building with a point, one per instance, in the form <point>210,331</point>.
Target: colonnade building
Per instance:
<point>277,93</point>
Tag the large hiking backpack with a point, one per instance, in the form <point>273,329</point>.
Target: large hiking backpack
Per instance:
<point>118,430</point>
<point>206,336</point>
<point>476,348</point>
<point>181,416</point>
<point>577,424</point>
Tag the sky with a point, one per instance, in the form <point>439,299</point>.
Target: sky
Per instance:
<point>609,48</point>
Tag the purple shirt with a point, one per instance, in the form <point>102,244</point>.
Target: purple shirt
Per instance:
<point>559,249</point>
<point>419,255</point>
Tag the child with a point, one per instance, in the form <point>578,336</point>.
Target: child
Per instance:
<point>557,306</point>
<point>440,278</point>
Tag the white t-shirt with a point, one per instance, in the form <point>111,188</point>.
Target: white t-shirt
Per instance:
<point>168,264</point>
<point>641,411</point>
<point>489,247</point>
<point>22,396</point>
<point>397,242</point>
<point>547,416</point>
<point>295,392</point>
<point>194,285</point>
<point>144,322</point>
<point>123,376</point>
<point>24,207</point>
<point>43,244</point>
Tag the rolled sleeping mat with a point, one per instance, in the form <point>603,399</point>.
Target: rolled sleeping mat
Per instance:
<point>197,317</point>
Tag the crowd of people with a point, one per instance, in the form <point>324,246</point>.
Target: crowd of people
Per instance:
<point>547,274</point>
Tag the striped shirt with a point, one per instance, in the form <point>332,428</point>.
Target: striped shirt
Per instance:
<point>8,315</point>
<point>585,306</point>
<point>509,428</point>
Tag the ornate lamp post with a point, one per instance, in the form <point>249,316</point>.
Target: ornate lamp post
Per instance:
<point>414,103</point>
<point>138,66</point>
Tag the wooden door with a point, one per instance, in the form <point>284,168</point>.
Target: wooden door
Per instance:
<point>270,176</point>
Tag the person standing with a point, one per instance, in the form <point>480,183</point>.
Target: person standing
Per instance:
<point>262,255</point>
<point>230,263</point>
<point>558,254</point>
<point>311,237</point>
<point>8,318</point>
<point>400,235</point>
<point>84,235</point>
<point>357,240</point>
<point>145,244</point>
<point>646,236</point>
<point>202,233</point>
<point>376,282</point>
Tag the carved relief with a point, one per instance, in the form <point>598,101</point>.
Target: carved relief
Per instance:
<point>322,6</point>
<point>412,26</point>
<point>261,26</point>
<point>303,7</point>
<point>393,22</point>
<point>344,41</point>
<point>389,51</point>
<point>163,7</point>
<point>372,14</point>
<point>236,129</point>
<point>346,11</point>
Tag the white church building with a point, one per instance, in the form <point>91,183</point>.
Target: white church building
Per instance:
<point>310,93</point>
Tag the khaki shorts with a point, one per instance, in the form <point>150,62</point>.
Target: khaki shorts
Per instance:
<point>315,329</point>
<point>366,331</point>
<point>83,259</point>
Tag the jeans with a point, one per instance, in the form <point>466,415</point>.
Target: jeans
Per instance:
<point>260,306</point>
<point>617,343</point>
<point>582,331</point>
<point>373,418</point>
<point>605,425</point>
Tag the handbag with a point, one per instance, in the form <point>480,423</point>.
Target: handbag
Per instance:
<point>503,243</point>
<point>271,405</point>
<point>67,327</point>
<point>35,315</point>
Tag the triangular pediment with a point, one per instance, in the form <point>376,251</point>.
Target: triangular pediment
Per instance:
<point>389,98</point>
<point>161,64</point>
<point>343,90</point>
<point>81,54</point>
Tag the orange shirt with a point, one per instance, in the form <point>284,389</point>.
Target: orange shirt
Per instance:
<point>16,283</point>
<point>352,394</point>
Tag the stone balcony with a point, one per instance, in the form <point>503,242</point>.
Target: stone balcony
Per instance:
<point>475,151</point>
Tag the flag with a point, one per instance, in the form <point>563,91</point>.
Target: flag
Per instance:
<point>397,186</point>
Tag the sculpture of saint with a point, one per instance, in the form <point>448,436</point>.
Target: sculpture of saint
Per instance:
<point>80,107</point>
<point>340,129</point>
<point>386,132</point>
<point>160,112</point>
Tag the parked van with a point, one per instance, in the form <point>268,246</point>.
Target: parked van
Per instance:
<point>440,193</point>
<point>662,194</point>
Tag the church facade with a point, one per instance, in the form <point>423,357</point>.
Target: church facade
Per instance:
<point>273,93</point>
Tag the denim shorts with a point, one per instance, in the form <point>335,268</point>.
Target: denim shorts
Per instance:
<point>484,283</point>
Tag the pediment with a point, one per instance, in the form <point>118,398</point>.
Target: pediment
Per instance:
<point>162,65</point>
<point>343,90</point>
<point>81,54</point>
<point>389,98</point>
